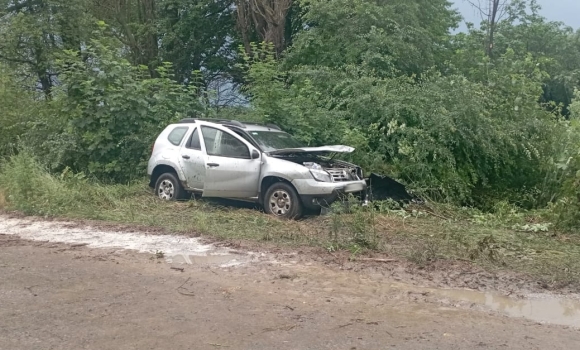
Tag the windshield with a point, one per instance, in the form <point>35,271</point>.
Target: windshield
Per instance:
<point>271,141</point>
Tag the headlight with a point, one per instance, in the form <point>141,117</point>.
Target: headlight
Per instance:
<point>321,175</point>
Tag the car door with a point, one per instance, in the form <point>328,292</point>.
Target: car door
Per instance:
<point>192,161</point>
<point>230,170</point>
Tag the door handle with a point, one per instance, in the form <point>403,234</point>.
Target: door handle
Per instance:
<point>185,157</point>
<point>212,165</point>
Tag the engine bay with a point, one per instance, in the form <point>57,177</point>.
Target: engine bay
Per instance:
<point>339,171</point>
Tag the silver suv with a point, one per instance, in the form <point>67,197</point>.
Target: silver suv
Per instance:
<point>248,161</point>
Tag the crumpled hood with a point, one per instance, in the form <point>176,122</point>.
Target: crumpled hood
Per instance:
<point>314,150</point>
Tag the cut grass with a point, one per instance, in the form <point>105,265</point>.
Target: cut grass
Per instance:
<point>547,257</point>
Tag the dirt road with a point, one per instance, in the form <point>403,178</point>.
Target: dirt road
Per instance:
<point>59,296</point>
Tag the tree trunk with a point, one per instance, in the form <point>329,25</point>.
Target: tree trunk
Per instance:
<point>492,20</point>
<point>266,19</point>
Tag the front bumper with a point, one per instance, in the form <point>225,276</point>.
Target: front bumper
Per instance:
<point>315,194</point>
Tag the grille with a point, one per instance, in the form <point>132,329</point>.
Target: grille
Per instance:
<point>339,175</point>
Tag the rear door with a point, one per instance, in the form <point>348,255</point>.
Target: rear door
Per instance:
<point>192,161</point>
<point>230,171</point>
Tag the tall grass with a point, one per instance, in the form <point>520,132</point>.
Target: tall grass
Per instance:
<point>505,239</point>
<point>29,188</point>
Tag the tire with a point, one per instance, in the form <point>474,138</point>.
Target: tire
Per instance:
<point>168,188</point>
<point>281,200</point>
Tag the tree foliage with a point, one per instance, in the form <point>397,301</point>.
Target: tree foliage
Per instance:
<point>106,113</point>
<point>18,109</point>
<point>566,206</point>
<point>196,35</point>
<point>34,32</point>
<point>385,36</point>
<point>468,118</point>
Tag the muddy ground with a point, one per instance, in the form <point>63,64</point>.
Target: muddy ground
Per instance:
<point>72,296</point>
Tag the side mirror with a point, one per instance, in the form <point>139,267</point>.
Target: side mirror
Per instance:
<point>255,154</point>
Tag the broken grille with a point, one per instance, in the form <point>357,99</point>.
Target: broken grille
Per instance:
<point>338,175</point>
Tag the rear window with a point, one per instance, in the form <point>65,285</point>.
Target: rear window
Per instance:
<point>177,134</point>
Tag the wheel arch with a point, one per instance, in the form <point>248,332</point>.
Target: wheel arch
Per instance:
<point>160,170</point>
<point>268,181</point>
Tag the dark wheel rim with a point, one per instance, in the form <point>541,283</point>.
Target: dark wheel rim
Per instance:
<point>280,202</point>
<point>166,190</point>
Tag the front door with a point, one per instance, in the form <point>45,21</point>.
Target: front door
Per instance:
<point>192,161</point>
<point>230,170</point>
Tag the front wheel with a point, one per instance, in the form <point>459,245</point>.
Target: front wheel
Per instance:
<point>169,188</point>
<point>281,200</point>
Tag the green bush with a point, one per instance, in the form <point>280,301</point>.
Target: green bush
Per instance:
<point>565,209</point>
<point>115,110</point>
<point>452,139</point>
<point>104,115</point>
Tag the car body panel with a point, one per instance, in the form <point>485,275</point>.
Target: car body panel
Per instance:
<point>283,169</point>
<point>314,150</point>
<point>232,178</point>
<point>313,187</point>
<point>229,177</point>
<point>193,168</point>
<point>165,153</point>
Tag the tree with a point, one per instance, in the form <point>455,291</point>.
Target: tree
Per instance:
<point>198,37</point>
<point>554,46</point>
<point>491,11</point>
<point>265,18</point>
<point>34,32</point>
<point>391,37</point>
<point>135,24</point>
<point>113,111</point>
<point>361,75</point>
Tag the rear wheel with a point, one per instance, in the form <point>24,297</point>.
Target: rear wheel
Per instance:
<point>168,188</point>
<point>281,200</point>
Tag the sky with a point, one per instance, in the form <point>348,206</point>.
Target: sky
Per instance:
<point>567,11</point>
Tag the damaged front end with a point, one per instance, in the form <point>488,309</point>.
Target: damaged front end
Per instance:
<point>333,179</point>
<point>321,163</point>
<point>340,180</point>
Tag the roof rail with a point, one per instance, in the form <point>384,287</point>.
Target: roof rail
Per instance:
<point>268,125</point>
<point>223,121</point>
<point>228,122</point>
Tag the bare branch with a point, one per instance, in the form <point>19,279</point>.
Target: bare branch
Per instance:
<point>482,12</point>
<point>503,10</point>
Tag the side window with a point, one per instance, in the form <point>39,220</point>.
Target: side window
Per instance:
<point>219,143</point>
<point>194,142</point>
<point>177,134</point>
<point>209,136</point>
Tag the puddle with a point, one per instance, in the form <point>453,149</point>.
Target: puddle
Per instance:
<point>541,308</point>
<point>176,249</point>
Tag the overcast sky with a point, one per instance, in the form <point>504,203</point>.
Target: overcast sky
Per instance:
<point>567,11</point>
